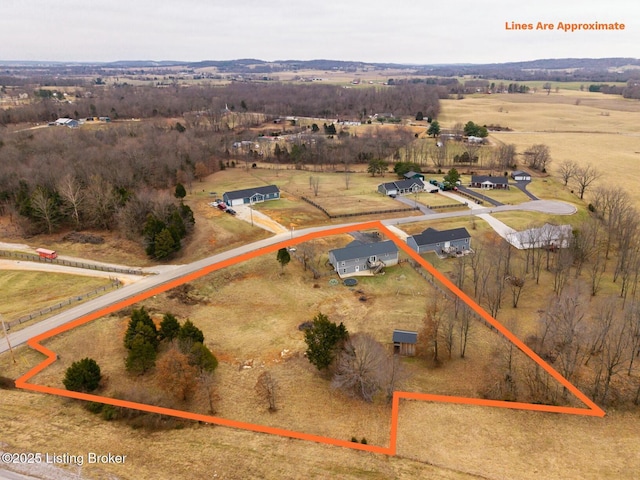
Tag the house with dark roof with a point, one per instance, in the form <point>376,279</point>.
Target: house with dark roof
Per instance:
<point>442,242</point>
<point>360,258</point>
<point>251,195</point>
<point>487,182</point>
<point>413,175</point>
<point>521,176</point>
<point>401,187</point>
<point>404,342</point>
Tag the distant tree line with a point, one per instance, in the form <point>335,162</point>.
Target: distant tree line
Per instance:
<point>313,100</point>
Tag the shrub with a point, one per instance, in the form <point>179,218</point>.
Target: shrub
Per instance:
<point>82,376</point>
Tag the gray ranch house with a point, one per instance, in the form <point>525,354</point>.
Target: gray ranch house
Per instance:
<point>359,258</point>
<point>251,195</point>
<point>400,187</point>
<point>444,242</point>
<point>487,182</point>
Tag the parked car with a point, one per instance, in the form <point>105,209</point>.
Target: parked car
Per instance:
<point>230,211</point>
<point>222,206</point>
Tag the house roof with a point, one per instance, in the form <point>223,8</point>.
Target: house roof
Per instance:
<point>518,173</point>
<point>250,192</point>
<point>542,236</point>
<point>411,174</point>
<point>431,235</point>
<point>403,184</point>
<point>488,178</point>
<point>363,250</point>
<point>405,336</point>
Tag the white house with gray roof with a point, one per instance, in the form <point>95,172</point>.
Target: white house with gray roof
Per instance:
<point>359,258</point>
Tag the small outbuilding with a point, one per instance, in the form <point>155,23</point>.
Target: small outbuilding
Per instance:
<point>521,176</point>
<point>413,175</point>
<point>404,342</point>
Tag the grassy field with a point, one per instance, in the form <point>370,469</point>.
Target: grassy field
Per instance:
<point>27,292</point>
<point>361,196</point>
<point>258,332</point>
<point>588,128</point>
<point>434,440</point>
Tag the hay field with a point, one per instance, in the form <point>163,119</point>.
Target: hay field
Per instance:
<point>585,127</point>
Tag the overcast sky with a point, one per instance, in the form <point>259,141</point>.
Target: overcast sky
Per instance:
<point>396,31</point>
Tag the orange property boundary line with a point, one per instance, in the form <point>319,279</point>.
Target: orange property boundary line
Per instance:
<point>23,382</point>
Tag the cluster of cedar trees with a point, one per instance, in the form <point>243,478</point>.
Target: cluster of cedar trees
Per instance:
<point>175,352</point>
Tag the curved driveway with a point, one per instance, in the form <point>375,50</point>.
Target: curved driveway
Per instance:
<point>168,274</point>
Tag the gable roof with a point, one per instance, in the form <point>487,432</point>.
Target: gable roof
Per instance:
<point>518,173</point>
<point>405,336</point>
<point>489,178</point>
<point>431,235</point>
<point>403,184</point>
<point>249,192</point>
<point>363,250</point>
<point>548,234</point>
<point>412,174</point>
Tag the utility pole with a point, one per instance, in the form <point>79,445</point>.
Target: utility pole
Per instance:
<point>6,335</point>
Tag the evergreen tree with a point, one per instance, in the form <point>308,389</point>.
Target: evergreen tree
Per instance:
<point>141,325</point>
<point>169,327</point>
<point>189,334</point>
<point>82,376</point>
<point>142,356</point>
<point>283,258</point>
<point>165,244</point>
<point>324,339</point>
<point>180,192</point>
<point>202,357</point>
<point>434,129</point>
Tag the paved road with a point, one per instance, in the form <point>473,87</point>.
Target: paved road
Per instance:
<point>168,274</point>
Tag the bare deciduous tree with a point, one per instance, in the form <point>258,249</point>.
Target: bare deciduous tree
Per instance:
<point>584,178</point>
<point>567,169</point>
<point>364,368</point>
<point>71,192</point>
<point>538,157</point>
<point>44,207</point>
<point>266,388</point>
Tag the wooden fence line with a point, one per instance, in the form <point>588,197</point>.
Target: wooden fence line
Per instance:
<point>344,215</point>
<point>69,263</point>
<point>115,283</point>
